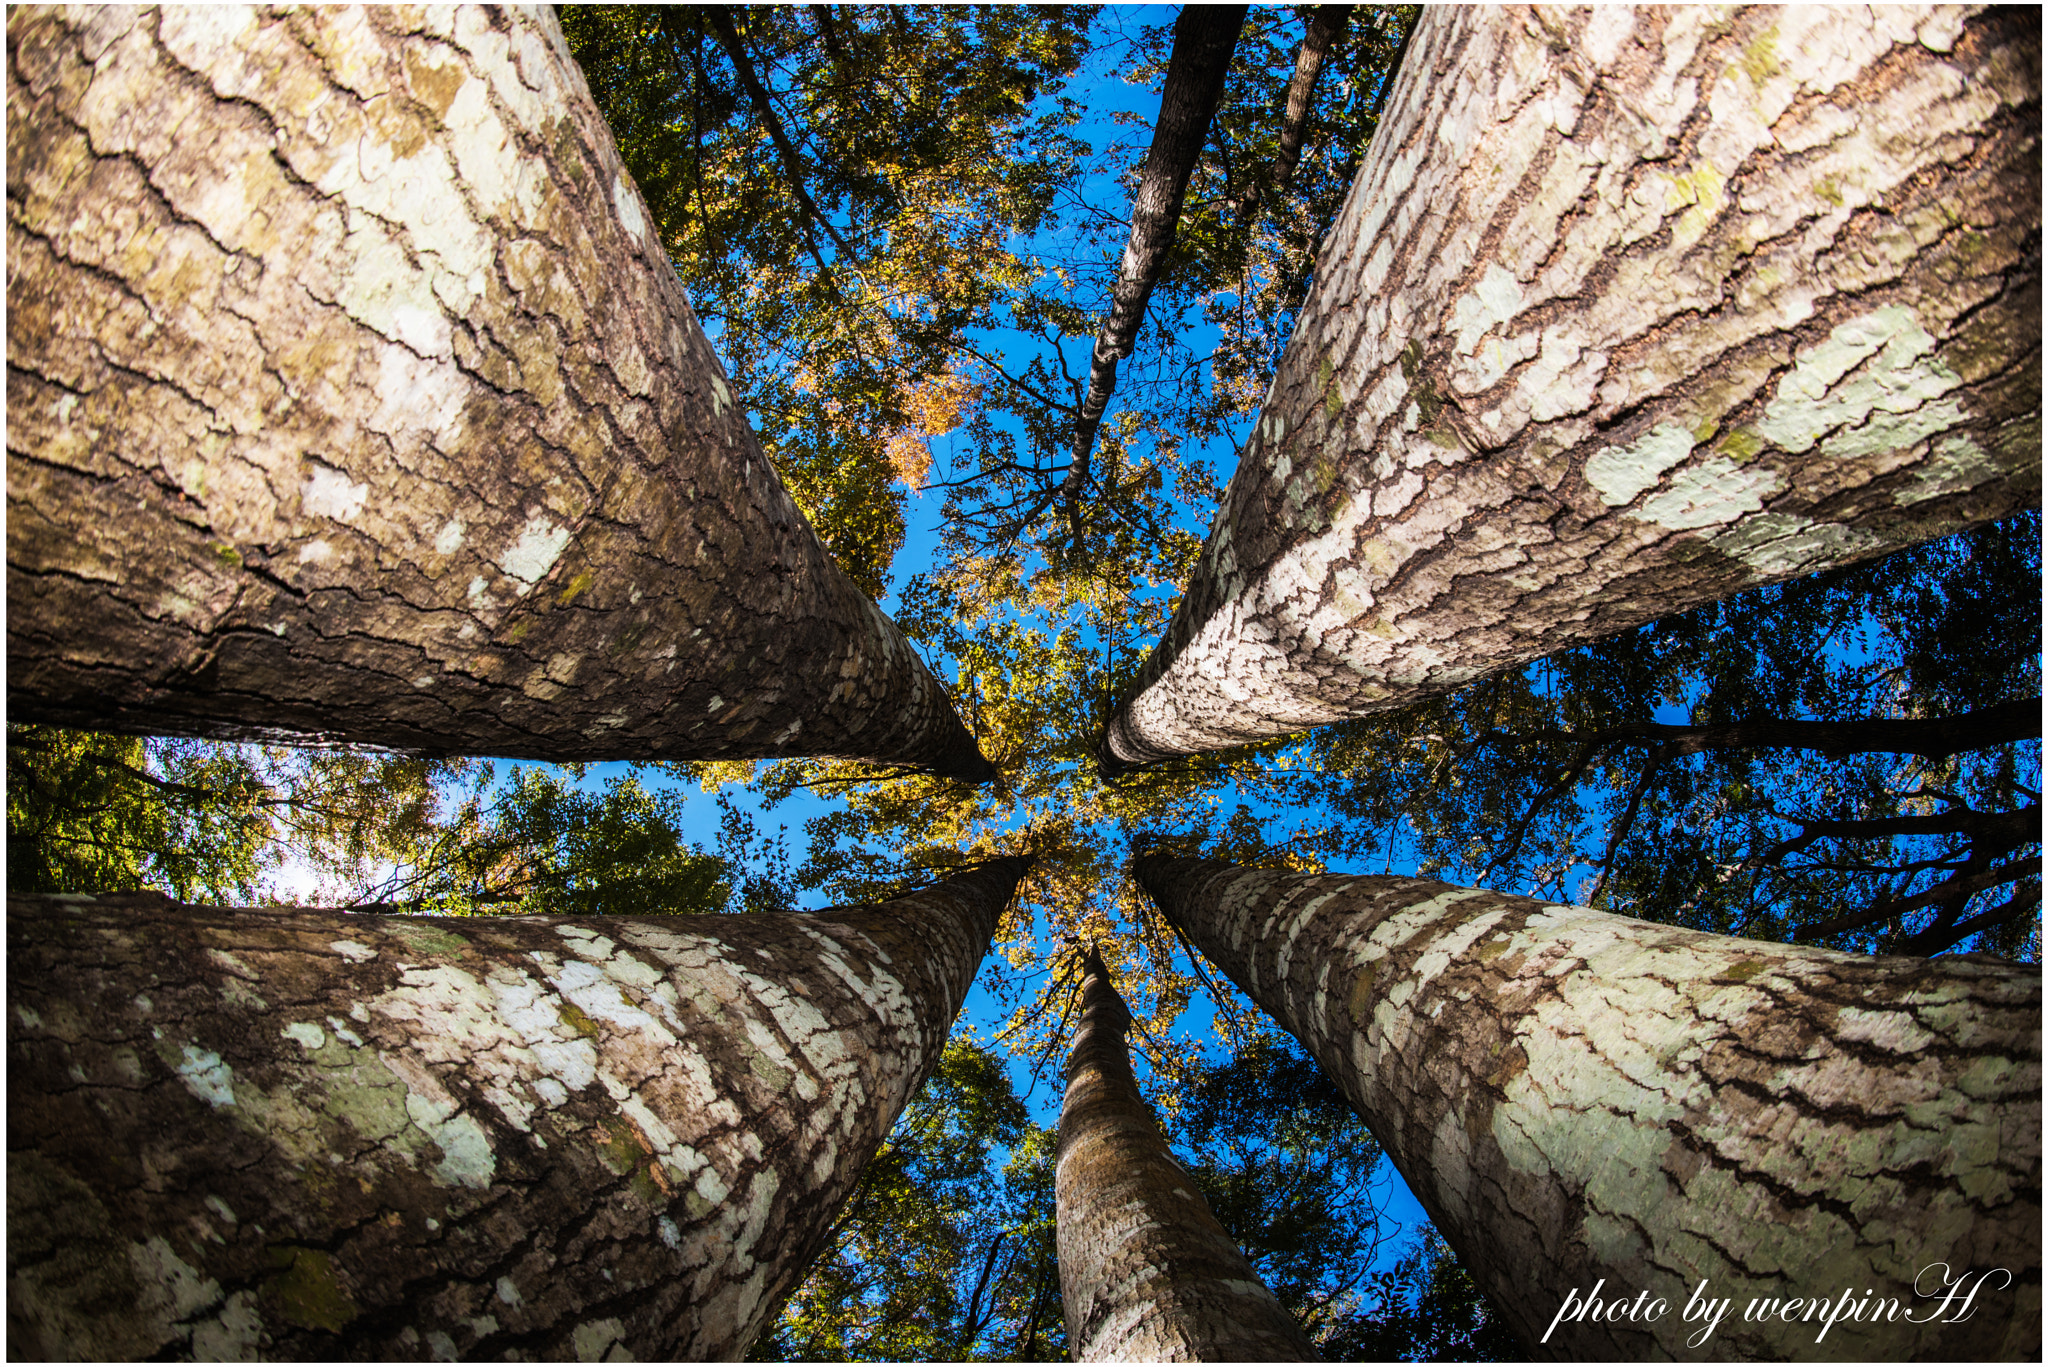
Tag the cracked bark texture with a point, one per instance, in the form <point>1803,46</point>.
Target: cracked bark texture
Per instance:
<point>1147,1273</point>
<point>302,1134</point>
<point>1574,1096</point>
<point>352,397</point>
<point>1628,310</point>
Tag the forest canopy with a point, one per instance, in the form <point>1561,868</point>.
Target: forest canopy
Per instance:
<point>902,228</point>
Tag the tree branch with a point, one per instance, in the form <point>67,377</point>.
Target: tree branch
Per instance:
<point>1323,32</point>
<point>720,17</point>
<point>1563,784</point>
<point>1961,886</point>
<point>1628,817</point>
<point>1937,938</point>
<point>1930,737</point>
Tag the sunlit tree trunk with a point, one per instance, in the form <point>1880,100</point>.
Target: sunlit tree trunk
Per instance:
<point>1628,310</point>
<point>302,1134</point>
<point>1147,1273</point>
<point>352,396</point>
<point>1325,28</point>
<point>1204,37</point>
<point>1577,1097</point>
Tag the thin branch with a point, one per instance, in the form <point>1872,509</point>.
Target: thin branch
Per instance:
<point>1936,939</point>
<point>1960,886</point>
<point>1564,783</point>
<point>720,17</point>
<point>1930,737</point>
<point>2006,829</point>
<point>1628,817</point>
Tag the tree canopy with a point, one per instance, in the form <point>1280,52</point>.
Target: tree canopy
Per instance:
<point>901,227</point>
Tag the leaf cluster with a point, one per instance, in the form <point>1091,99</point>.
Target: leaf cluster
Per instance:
<point>945,1251</point>
<point>843,189</point>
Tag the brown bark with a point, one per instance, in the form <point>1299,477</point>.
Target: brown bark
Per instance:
<point>1204,37</point>
<point>352,397</point>
<point>1575,1096</point>
<point>304,1134</point>
<point>1147,1273</point>
<point>1628,310</point>
<point>1324,29</point>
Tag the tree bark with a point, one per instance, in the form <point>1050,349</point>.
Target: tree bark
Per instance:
<point>1627,310</point>
<point>1204,37</point>
<point>1325,27</point>
<point>304,1134</point>
<point>1147,1272</point>
<point>352,397</point>
<point>1575,1096</point>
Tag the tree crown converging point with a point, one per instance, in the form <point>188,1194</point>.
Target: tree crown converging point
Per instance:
<point>1565,556</point>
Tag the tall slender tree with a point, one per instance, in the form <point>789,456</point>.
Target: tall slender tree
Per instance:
<point>1146,1271</point>
<point>1204,36</point>
<point>352,396</point>
<point>1325,27</point>
<point>278,1132</point>
<point>1628,310</point>
<point>1577,1097</point>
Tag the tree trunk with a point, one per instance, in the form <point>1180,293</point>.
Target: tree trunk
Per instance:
<point>1204,37</point>
<point>303,1134</point>
<point>1146,1271</point>
<point>1575,1096</point>
<point>352,397</point>
<point>1627,311</point>
<point>1325,27</point>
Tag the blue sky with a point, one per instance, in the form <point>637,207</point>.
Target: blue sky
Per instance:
<point>1104,94</point>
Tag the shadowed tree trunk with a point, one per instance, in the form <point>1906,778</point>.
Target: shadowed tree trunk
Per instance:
<point>1575,1096</point>
<point>302,1134</point>
<point>1325,27</point>
<point>1204,37</point>
<point>1627,311</point>
<point>1146,1271</point>
<point>352,397</point>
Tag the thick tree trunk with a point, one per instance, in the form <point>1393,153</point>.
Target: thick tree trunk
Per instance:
<point>1146,1271</point>
<point>1628,310</point>
<point>351,396</point>
<point>1204,37</point>
<point>303,1134</point>
<point>1575,1096</point>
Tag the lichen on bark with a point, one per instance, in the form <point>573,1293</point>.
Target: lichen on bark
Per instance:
<point>1575,1096</point>
<point>1629,309</point>
<point>291,1133</point>
<point>352,397</point>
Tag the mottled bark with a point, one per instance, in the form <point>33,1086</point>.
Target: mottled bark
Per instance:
<point>304,1134</point>
<point>1575,1096</point>
<point>1147,1273</point>
<point>351,396</point>
<point>1627,310</point>
<point>1204,37</point>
